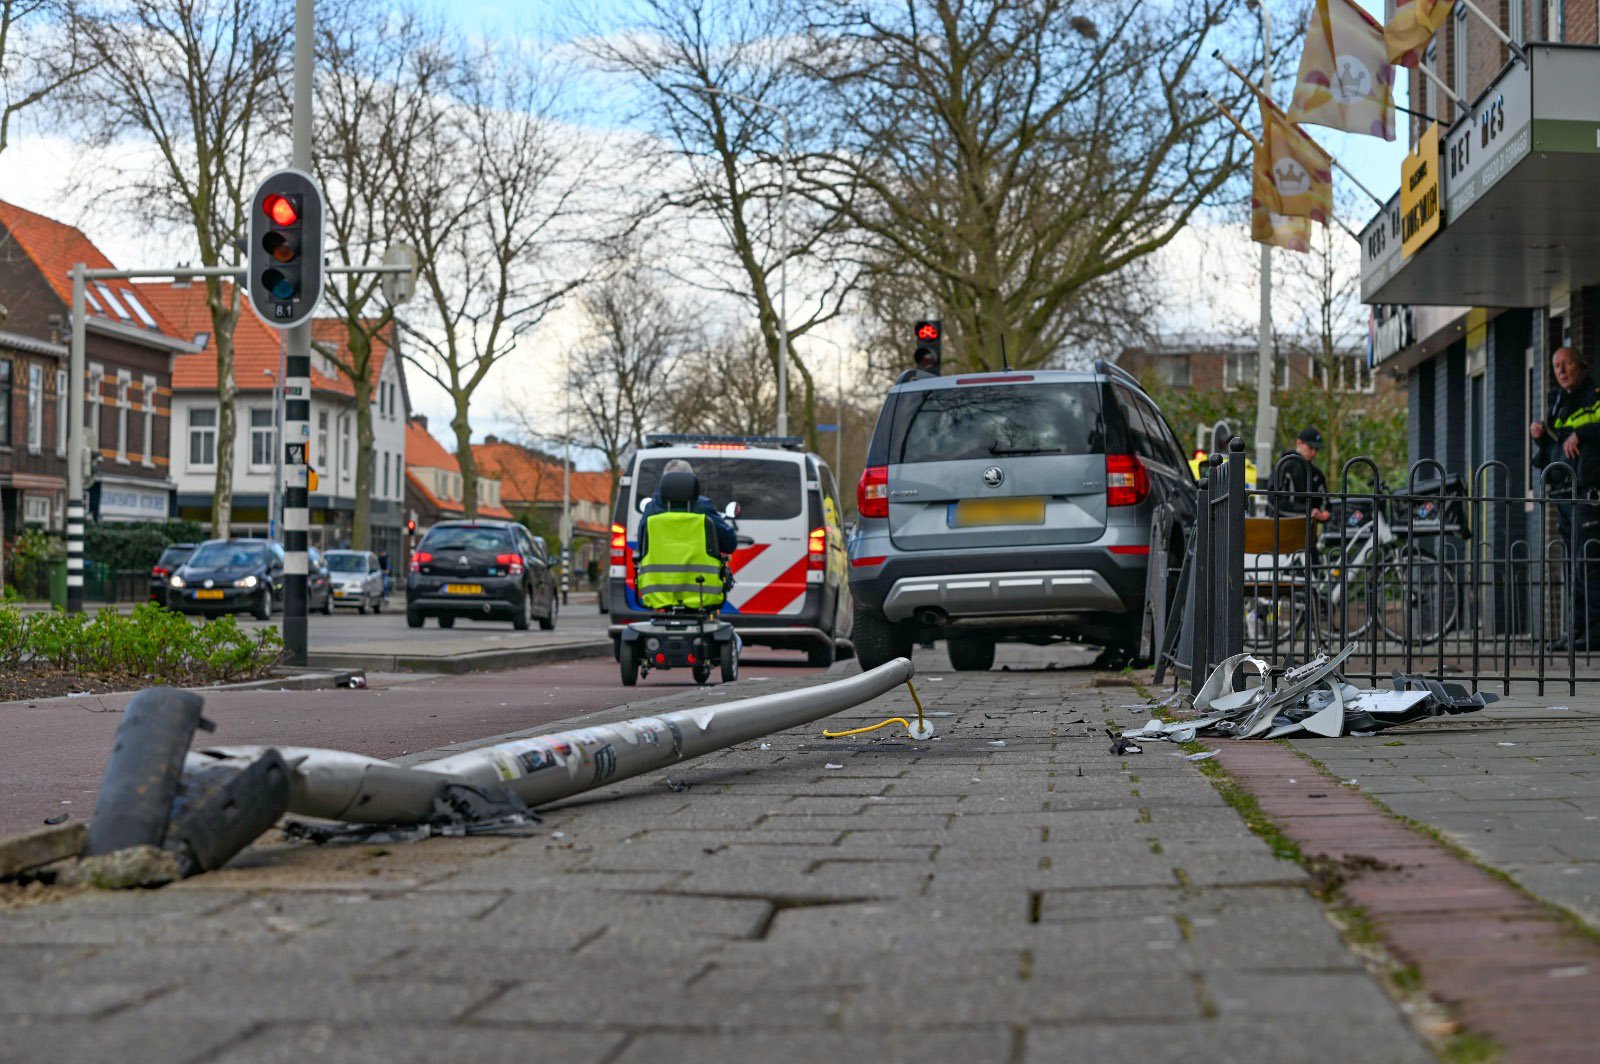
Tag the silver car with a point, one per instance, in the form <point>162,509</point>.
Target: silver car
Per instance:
<point>357,579</point>
<point>1011,506</point>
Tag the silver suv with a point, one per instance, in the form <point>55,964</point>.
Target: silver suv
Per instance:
<point>1011,506</point>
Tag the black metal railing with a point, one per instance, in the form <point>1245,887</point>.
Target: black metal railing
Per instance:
<point>1444,575</point>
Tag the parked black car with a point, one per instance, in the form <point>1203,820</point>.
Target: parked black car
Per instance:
<point>175,555</point>
<point>481,569</point>
<point>229,576</point>
<point>319,582</point>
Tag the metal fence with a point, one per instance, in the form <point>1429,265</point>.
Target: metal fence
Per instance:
<point>1443,575</point>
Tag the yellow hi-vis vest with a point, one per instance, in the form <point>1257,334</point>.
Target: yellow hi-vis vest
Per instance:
<point>677,569</point>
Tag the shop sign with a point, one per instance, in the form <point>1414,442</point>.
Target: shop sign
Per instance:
<point>1419,193</point>
<point>117,500</point>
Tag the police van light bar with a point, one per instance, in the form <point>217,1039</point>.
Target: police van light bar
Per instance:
<point>711,442</point>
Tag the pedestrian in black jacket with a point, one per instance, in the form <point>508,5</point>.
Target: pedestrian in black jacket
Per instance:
<point>1303,486</point>
<point>1570,433</point>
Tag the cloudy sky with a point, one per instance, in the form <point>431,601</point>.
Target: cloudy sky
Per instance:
<point>37,171</point>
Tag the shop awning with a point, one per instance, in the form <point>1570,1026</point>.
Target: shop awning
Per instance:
<point>1521,220</point>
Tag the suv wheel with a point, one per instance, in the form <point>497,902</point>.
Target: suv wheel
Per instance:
<point>970,653</point>
<point>878,641</point>
<point>414,619</point>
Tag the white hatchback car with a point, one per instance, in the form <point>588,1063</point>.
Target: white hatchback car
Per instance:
<point>357,579</point>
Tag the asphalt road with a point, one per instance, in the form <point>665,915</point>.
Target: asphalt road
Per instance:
<point>55,749</point>
<point>346,630</point>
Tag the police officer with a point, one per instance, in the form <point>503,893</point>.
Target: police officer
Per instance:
<point>1298,486</point>
<point>1570,433</point>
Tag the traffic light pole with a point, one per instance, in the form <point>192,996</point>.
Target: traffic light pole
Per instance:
<point>297,381</point>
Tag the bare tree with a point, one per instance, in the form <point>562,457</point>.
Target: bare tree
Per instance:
<point>491,207</point>
<point>718,160</point>
<point>192,78</point>
<point>634,338</point>
<point>378,109</point>
<point>726,387</point>
<point>41,53</point>
<point>1011,158</point>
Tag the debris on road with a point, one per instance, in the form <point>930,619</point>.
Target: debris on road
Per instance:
<point>1311,698</point>
<point>1121,744</point>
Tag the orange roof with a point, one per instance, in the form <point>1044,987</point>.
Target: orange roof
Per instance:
<point>528,478</point>
<point>446,507</point>
<point>256,346</point>
<point>422,449</point>
<point>54,247</point>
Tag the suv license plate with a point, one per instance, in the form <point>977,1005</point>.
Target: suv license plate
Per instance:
<point>976,513</point>
<point>463,589</point>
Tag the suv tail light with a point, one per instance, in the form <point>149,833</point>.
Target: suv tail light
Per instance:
<point>419,559</point>
<point>513,562</point>
<point>872,492</point>
<point>1127,483</point>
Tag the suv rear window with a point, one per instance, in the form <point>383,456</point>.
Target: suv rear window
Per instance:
<point>766,490</point>
<point>461,537</point>
<point>974,421</point>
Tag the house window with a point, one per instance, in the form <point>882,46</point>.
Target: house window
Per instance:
<point>399,476</point>
<point>382,406</point>
<point>1431,94</point>
<point>148,388</point>
<point>262,437</point>
<point>344,447</point>
<point>383,460</point>
<point>1175,371</point>
<point>202,437</point>
<point>5,404</point>
<point>1459,75</point>
<point>61,412</point>
<point>124,385</point>
<point>321,455</point>
<point>35,408</point>
<point>95,400</point>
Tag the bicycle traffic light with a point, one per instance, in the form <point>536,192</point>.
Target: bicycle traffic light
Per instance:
<point>284,269</point>
<point>927,356</point>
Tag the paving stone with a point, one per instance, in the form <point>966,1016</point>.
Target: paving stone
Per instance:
<point>294,1043</point>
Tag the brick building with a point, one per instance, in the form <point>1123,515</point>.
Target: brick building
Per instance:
<point>433,481</point>
<point>533,484</point>
<point>1470,315</point>
<point>129,348</point>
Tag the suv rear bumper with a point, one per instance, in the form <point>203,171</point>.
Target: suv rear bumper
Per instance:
<point>982,594</point>
<point>1078,580</point>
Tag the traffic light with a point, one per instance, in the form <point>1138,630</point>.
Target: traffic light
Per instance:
<point>930,334</point>
<point>411,526</point>
<point>284,272</point>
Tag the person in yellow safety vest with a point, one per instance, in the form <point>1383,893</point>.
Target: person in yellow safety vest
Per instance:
<point>679,563</point>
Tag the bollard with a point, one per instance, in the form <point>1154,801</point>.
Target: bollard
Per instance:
<point>142,775</point>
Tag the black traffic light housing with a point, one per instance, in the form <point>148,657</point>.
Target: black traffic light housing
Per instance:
<point>930,337</point>
<point>284,268</point>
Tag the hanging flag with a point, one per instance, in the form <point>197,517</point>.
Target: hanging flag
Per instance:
<point>1268,224</point>
<point>1301,171</point>
<point>1346,81</point>
<point>1410,25</point>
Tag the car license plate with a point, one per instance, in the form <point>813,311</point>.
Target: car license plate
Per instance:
<point>463,589</point>
<point>976,513</point>
<point>208,594</point>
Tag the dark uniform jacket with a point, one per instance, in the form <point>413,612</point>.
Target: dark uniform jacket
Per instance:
<point>1569,413</point>
<point>1303,485</point>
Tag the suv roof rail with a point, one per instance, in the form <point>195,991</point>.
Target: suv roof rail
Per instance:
<point>713,442</point>
<point>1110,368</point>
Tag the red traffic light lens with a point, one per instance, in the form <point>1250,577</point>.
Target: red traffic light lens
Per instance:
<point>927,331</point>
<point>280,209</point>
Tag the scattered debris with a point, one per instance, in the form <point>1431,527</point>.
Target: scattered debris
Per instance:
<point>1204,755</point>
<point>997,742</point>
<point>830,764</point>
<point>1121,745</point>
<point>59,818</point>
<point>675,786</point>
<point>136,866</point>
<point>1311,698</point>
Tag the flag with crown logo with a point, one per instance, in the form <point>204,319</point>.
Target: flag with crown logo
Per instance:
<point>1268,223</point>
<point>1301,171</point>
<point>1346,80</point>
<point>1409,25</point>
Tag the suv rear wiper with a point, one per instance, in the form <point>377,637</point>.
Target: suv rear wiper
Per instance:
<point>1024,450</point>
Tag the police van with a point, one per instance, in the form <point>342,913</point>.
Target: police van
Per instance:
<point>791,588</point>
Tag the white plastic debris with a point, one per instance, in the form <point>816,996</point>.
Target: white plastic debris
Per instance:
<point>830,764</point>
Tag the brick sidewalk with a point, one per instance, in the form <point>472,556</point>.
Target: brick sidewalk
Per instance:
<point>953,900</point>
